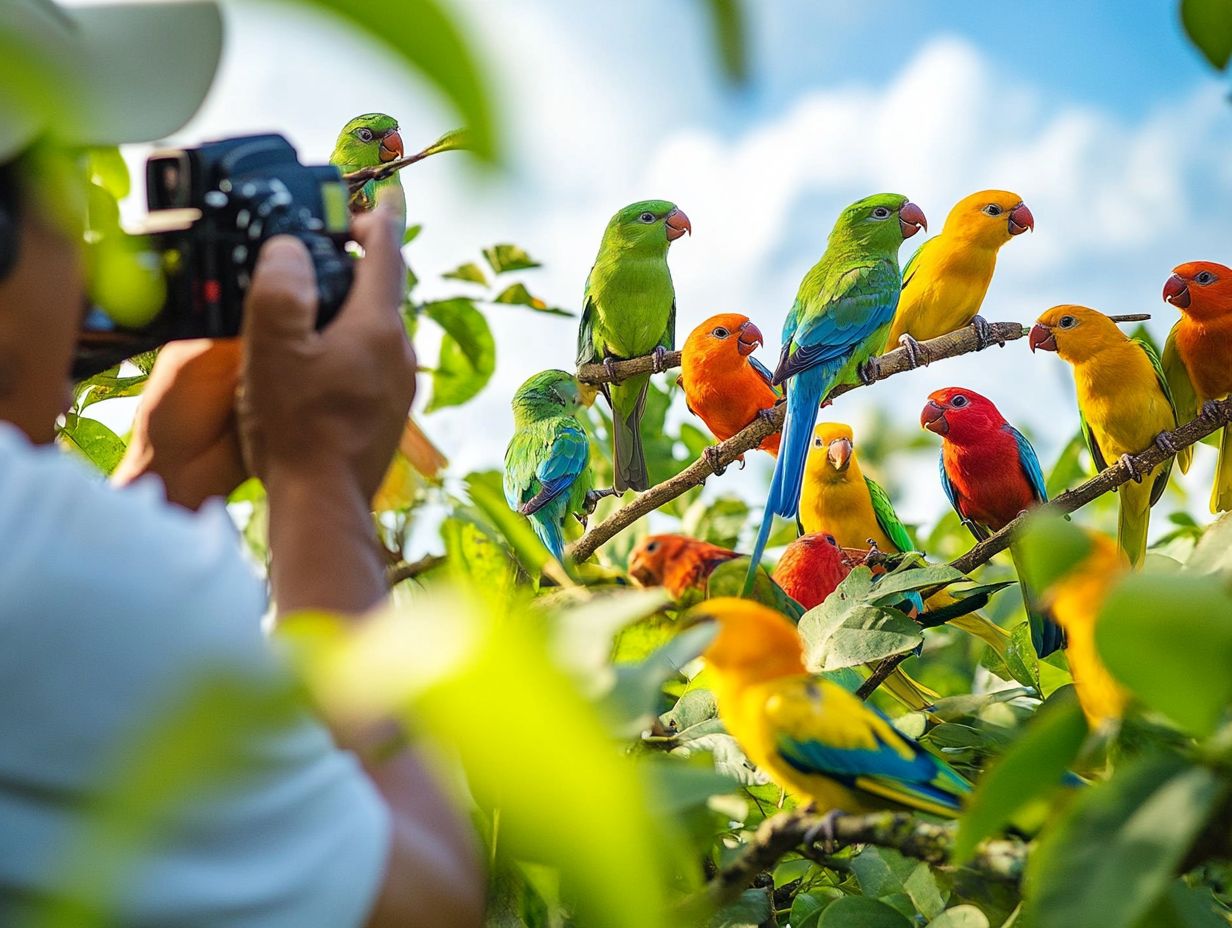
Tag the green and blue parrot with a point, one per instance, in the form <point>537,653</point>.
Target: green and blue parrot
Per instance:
<point>839,321</point>
<point>547,463</point>
<point>369,141</point>
<point>629,310</point>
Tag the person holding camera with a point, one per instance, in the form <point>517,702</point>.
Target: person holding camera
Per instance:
<point>120,606</point>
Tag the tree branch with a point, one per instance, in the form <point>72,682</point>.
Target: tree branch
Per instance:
<point>1001,859</point>
<point>963,341</point>
<point>1107,480</point>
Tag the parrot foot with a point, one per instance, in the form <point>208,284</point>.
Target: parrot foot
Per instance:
<point>1164,442</point>
<point>824,830</point>
<point>658,359</point>
<point>1127,462</point>
<point>870,372</point>
<point>983,331</point>
<point>593,497</point>
<point>917,355</point>
<point>611,371</point>
<point>712,456</point>
<point>1210,411</point>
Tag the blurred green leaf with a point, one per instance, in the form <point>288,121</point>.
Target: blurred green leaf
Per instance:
<point>504,258</point>
<point>1034,766</point>
<point>94,441</point>
<point>468,353</point>
<point>861,912</point>
<point>470,272</point>
<point>1209,25</point>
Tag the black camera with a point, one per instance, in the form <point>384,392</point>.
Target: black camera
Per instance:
<point>211,209</point>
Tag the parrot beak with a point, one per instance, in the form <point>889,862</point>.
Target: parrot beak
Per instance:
<point>1021,220</point>
<point>1043,338</point>
<point>391,147</point>
<point>839,453</point>
<point>933,418</point>
<point>1176,291</point>
<point>749,339</point>
<point>911,219</point>
<point>677,225</point>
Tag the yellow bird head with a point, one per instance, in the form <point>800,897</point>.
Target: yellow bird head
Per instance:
<point>754,642</point>
<point>989,218</point>
<point>832,452</point>
<point>1076,333</point>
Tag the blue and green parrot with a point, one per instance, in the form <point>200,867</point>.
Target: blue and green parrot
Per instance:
<point>839,321</point>
<point>629,310</point>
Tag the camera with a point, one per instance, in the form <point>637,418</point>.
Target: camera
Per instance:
<point>211,209</point>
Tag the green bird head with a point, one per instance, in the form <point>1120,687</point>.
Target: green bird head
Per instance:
<point>878,224</point>
<point>649,225</point>
<point>367,141</point>
<point>547,394</point>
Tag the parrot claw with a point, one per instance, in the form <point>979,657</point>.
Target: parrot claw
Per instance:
<point>611,371</point>
<point>870,372</point>
<point>658,357</point>
<point>917,356</point>
<point>1165,444</point>
<point>712,456</point>
<point>983,332</point>
<point>593,497</point>
<point>1127,462</point>
<point>824,829</point>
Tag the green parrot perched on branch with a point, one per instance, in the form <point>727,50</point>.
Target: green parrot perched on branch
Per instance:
<point>629,310</point>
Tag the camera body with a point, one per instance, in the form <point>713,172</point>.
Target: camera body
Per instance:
<point>211,210</point>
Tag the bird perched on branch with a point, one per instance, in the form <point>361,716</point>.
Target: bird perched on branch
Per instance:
<point>945,281</point>
<point>365,142</point>
<point>629,310</point>
<point>677,562</point>
<point>1198,357</point>
<point>990,474</point>
<point>724,385</point>
<point>812,737</point>
<point>1123,404</point>
<point>547,463</point>
<point>838,322</point>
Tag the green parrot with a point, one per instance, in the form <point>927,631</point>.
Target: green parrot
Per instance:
<point>366,142</point>
<point>547,463</point>
<point>629,310</point>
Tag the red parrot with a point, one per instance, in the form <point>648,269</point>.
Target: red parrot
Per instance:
<point>990,473</point>
<point>811,568</point>
<point>677,562</point>
<point>724,385</point>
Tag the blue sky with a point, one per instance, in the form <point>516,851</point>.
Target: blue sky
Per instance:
<point>1099,114</point>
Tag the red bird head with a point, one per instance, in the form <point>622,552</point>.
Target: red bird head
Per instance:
<point>811,569</point>
<point>1201,289</point>
<point>725,338</point>
<point>960,415</point>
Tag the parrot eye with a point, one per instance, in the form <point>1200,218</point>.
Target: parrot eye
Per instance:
<point>992,209</point>
<point>720,332</point>
<point>1067,322</point>
<point>646,217</point>
<point>881,213</point>
<point>364,134</point>
<point>652,547</point>
<point>959,401</point>
<point>1205,277</point>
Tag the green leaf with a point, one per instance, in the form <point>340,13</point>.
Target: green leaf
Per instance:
<point>1117,847</point>
<point>424,34</point>
<point>505,258</point>
<point>861,912</point>
<point>94,441</point>
<point>730,38</point>
<point>961,916</point>
<point>468,353</point>
<point>1168,637</point>
<point>1048,548</point>
<point>470,271</point>
<point>1209,24</point>
<point>1033,766</point>
<point>518,295</point>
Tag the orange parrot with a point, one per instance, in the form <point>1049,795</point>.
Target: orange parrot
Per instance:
<point>1198,357</point>
<point>724,385</point>
<point>677,562</point>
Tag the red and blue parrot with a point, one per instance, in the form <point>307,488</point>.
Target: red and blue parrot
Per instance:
<point>990,474</point>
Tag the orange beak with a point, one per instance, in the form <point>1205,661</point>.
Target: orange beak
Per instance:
<point>1176,291</point>
<point>1021,220</point>
<point>933,418</point>
<point>911,219</point>
<point>839,453</point>
<point>1043,338</point>
<point>748,339</point>
<point>677,225</point>
<point>391,146</point>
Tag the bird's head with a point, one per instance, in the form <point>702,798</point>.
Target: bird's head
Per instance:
<point>960,415</point>
<point>753,643</point>
<point>1076,333</point>
<point>725,336</point>
<point>650,557</point>
<point>989,218</point>
<point>878,224</point>
<point>548,393</point>
<point>649,226</point>
<point>367,141</point>
<point>832,452</point>
<point>1200,289</point>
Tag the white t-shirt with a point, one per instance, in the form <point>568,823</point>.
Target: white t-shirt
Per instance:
<point>152,763</point>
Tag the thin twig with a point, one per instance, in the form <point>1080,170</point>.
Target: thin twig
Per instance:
<point>1107,480</point>
<point>408,570</point>
<point>964,341</point>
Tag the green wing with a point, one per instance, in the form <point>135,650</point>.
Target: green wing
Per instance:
<point>887,518</point>
<point>1161,482</point>
<point>1184,398</point>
